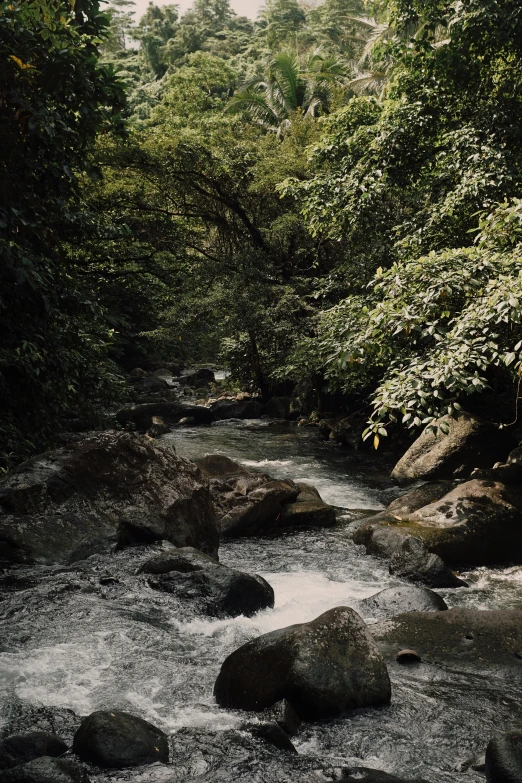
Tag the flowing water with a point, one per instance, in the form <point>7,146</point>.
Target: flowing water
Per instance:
<point>95,636</point>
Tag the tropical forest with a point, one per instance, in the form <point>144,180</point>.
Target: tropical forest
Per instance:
<point>261,391</point>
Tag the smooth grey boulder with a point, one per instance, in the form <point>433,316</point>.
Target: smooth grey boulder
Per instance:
<point>397,600</point>
<point>212,588</point>
<point>504,758</point>
<point>108,490</point>
<point>21,748</point>
<point>324,668</point>
<point>115,740</point>
<point>46,770</point>
<point>470,443</point>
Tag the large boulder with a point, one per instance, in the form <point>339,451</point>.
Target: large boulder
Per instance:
<point>217,591</point>
<point>397,600</point>
<point>467,640</point>
<point>308,509</point>
<point>21,748</point>
<point>46,770</point>
<point>254,503</point>
<point>115,740</point>
<point>237,409</point>
<point>142,415</point>
<point>479,522</point>
<point>246,503</point>
<point>108,490</point>
<point>504,758</point>
<point>324,668</point>
<point>470,443</point>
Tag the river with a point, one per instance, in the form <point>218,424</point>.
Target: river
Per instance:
<point>94,636</point>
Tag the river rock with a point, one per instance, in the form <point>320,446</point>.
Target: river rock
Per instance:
<point>283,713</point>
<point>246,503</point>
<point>412,560</point>
<point>470,443</point>
<point>158,427</point>
<point>114,740</point>
<point>272,733</point>
<point>141,416</point>
<point>504,758</point>
<point>46,770</point>
<point>218,591</point>
<point>397,600</point>
<point>21,748</point>
<point>107,490</point>
<point>472,640</point>
<point>479,522</point>
<point>307,513</point>
<point>237,409</point>
<point>324,667</point>
<point>278,407</point>
<point>409,557</point>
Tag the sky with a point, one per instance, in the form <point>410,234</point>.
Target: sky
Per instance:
<point>242,7</point>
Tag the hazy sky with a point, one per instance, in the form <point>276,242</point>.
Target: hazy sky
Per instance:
<point>243,7</point>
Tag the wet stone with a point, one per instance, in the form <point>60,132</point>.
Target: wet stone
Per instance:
<point>46,770</point>
<point>21,748</point>
<point>116,740</point>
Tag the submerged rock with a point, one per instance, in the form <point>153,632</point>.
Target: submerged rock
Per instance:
<point>21,748</point>
<point>216,590</point>
<point>46,770</point>
<point>115,740</point>
<point>470,443</point>
<point>396,600</point>
<point>107,490</point>
<point>504,758</point>
<point>324,668</point>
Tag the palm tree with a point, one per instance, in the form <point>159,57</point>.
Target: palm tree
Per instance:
<point>289,86</point>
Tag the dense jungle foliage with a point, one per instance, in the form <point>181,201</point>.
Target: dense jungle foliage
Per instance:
<point>328,198</point>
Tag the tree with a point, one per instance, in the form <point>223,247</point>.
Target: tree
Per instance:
<point>402,183</point>
<point>54,99</point>
<point>157,26</point>
<point>280,22</point>
<point>289,86</point>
